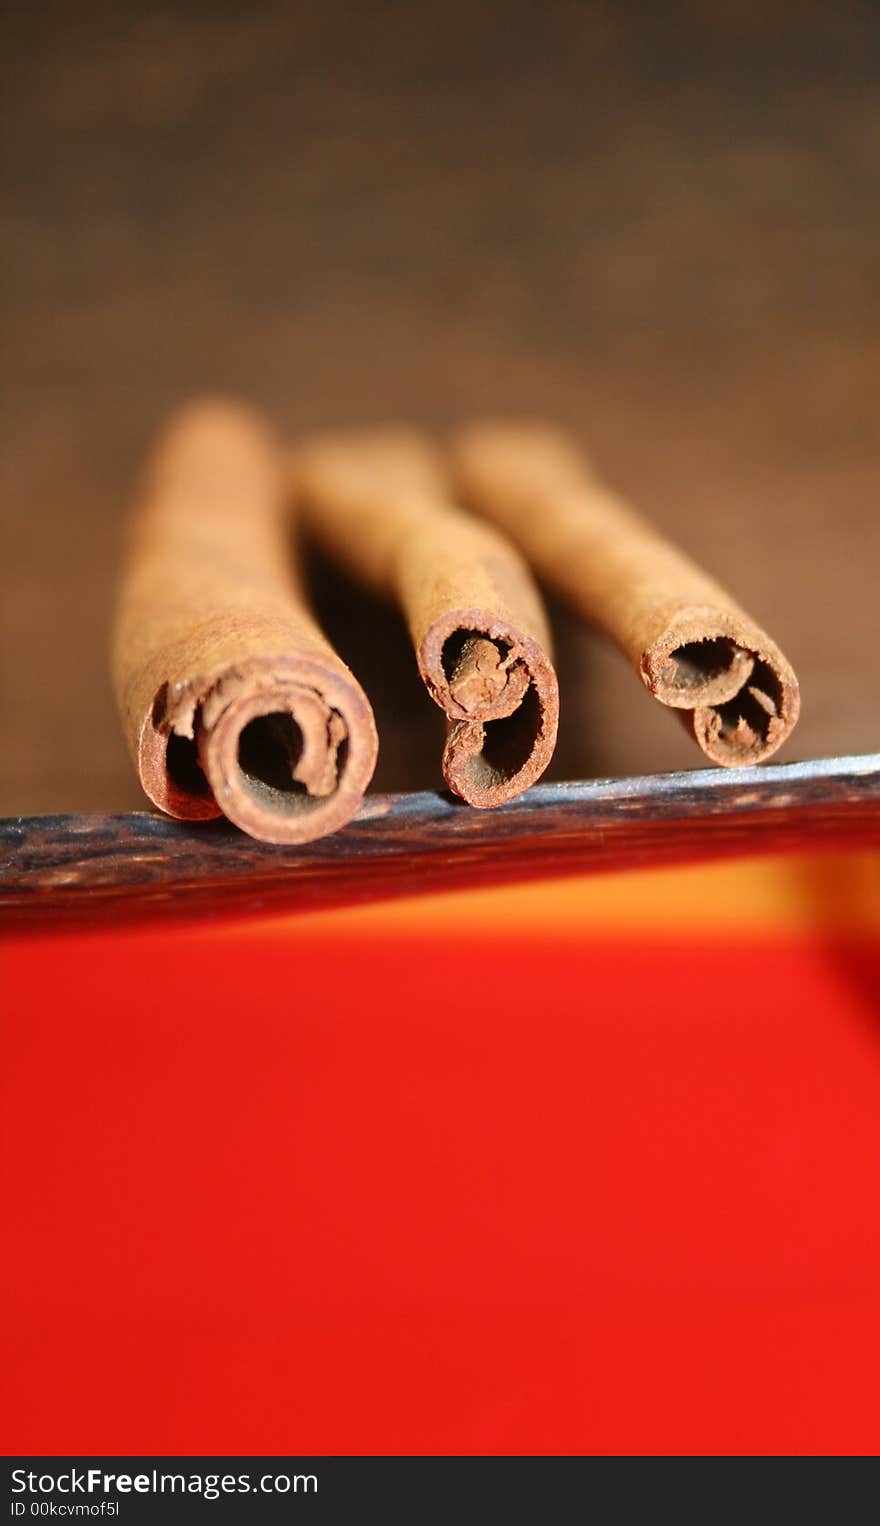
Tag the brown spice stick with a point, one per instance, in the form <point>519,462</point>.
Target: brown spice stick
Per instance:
<point>231,698</point>
<point>693,647</point>
<point>379,503</point>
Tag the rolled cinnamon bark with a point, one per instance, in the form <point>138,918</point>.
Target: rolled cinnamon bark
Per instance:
<point>231,698</point>
<point>379,503</point>
<point>693,647</point>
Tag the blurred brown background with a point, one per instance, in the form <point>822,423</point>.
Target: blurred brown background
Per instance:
<point>657,223</point>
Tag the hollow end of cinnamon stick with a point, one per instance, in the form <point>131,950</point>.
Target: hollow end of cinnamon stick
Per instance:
<point>499,691</point>
<point>282,748</point>
<point>740,693</point>
<point>287,763</point>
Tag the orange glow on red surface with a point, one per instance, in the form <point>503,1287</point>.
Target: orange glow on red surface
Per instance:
<point>384,1194</point>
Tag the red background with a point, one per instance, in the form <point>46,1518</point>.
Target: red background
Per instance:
<point>318,1189</point>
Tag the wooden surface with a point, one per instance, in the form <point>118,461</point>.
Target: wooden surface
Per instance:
<point>657,224</point>
<point>90,869</point>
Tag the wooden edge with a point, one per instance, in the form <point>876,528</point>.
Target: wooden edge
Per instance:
<point>87,870</point>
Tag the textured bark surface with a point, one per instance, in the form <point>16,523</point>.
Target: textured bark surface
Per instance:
<point>380,504</point>
<point>691,644</point>
<point>231,698</point>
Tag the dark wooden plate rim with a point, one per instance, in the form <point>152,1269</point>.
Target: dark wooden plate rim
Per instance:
<point>85,869</point>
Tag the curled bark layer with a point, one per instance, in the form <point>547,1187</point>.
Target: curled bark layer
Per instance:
<point>692,645</point>
<point>379,503</point>
<point>231,698</point>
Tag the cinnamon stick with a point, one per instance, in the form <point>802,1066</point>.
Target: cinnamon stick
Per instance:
<point>231,698</point>
<point>379,503</point>
<point>692,645</point>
